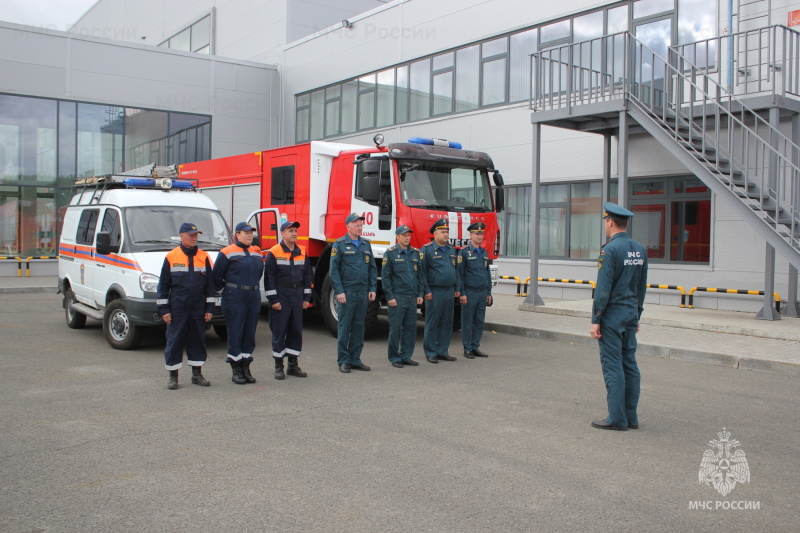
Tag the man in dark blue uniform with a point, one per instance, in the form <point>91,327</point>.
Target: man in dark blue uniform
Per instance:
<point>237,273</point>
<point>439,266</point>
<point>354,276</point>
<point>287,279</point>
<point>401,278</point>
<point>618,305</point>
<point>185,301</point>
<point>475,286</point>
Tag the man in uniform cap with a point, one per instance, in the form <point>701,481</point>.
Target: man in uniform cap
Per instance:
<point>401,277</point>
<point>237,273</point>
<point>354,276</point>
<point>440,278</point>
<point>287,280</point>
<point>475,286</point>
<point>186,301</point>
<point>618,305</point>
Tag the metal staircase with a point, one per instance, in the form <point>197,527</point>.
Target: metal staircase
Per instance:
<point>740,155</point>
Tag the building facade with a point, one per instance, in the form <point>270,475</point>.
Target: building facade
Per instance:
<point>464,70</point>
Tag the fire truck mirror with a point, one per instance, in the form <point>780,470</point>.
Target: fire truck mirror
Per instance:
<point>499,200</point>
<point>370,189</point>
<point>498,179</point>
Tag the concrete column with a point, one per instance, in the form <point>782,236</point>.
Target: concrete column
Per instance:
<point>622,159</point>
<point>790,309</point>
<point>533,297</point>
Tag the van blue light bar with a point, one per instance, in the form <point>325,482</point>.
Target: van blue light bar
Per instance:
<point>139,182</point>
<point>435,142</point>
<point>181,184</point>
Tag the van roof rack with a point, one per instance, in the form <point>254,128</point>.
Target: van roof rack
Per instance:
<point>152,177</point>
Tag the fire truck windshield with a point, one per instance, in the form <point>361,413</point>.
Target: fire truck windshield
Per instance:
<point>154,228</point>
<point>444,186</point>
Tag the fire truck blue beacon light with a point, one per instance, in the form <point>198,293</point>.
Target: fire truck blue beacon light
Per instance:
<point>435,142</point>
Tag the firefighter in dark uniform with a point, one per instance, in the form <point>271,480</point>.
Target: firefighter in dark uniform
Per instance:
<point>287,280</point>
<point>186,302</point>
<point>475,286</point>
<point>354,276</point>
<point>439,265</point>
<point>618,305</point>
<point>401,278</point>
<point>237,273</point>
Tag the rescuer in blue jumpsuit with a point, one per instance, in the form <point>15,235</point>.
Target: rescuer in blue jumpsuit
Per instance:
<point>475,286</point>
<point>237,273</point>
<point>439,265</point>
<point>401,277</point>
<point>287,280</point>
<point>354,276</point>
<point>618,305</point>
<point>185,301</point>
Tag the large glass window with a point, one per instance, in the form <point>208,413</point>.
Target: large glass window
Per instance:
<point>467,78</point>
<point>697,21</point>
<point>516,224</point>
<point>366,102</point>
<point>100,137</point>
<point>385,110</point>
<point>195,38</point>
<point>493,71</point>
<point>522,45</point>
<point>443,84</point>
<point>420,90</point>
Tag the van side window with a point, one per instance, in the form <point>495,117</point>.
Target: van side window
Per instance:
<point>86,226</point>
<point>111,226</point>
<point>283,185</point>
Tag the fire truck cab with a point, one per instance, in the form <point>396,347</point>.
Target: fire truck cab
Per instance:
<point>319,183</point>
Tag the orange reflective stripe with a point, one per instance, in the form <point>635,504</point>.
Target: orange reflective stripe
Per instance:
<point>283,256</point>
<point>179,261</point>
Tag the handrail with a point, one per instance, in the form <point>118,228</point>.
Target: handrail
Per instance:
<point>559,280</point>
<point>519,282</point>
<point>732,291</point>
<point>672,288</point>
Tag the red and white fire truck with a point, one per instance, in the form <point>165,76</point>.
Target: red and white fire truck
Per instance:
<point>319,183</point>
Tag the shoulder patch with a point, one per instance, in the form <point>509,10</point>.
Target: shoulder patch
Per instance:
<point>385,260</point>
<point>333,251</point>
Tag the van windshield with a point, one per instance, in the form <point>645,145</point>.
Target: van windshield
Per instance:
<point>155,228</point>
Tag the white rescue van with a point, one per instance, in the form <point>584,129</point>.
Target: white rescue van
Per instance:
<point>117,231</point>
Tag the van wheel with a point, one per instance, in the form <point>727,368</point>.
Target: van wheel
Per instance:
<point>329,307</point>
<point>221,331</point>
<point>121,334</point>
<point>75,320</point>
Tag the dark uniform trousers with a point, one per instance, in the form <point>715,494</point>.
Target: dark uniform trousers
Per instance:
<point>440,269</point>
<point>287,280</point>
<point>618,304</point>
<point>474,282</point>
<point>186,291</point>
<point>238,273</point>
<point>354,273</point>
<point>401,280</point>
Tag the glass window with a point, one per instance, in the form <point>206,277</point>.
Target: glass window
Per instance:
<point>402,95</point>
<point>617,20</point>
<point>522,46</point>
<point>586,27</point>
<point>555,31</point>
<point>420,89</point>
<point>494,48</point>
<point>516,224</point>
<point>553,193</point>
<point>366,102</point>
<point>28,140</point>
<point>650,228</point>
<point>349,99</point>
<point>552,231</point>
<point>317,114</point>
<point>697,21</point>
<point>181,41</point>
<point>584,215</point>
<point>86,226</point>
<point>443,61</point>
<point>100,138</point>
<point>301,124</point>
<point>643,8</point>
<point>332,106</point>
<point>282,185</point>
<point>67,144</point>
<point>443,93</point>
<point>385,112</point>
<point>141,128</point>
<point>111,225</point>
<point>201,34</point>
<point>467,78</point>
<point>493,90</point>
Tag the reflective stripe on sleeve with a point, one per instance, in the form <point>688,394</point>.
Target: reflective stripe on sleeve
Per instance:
<point>211,300</point>
<point>272,293</point>
<point>162,302</point>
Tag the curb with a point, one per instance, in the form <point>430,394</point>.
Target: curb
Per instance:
<point>22,290</point>
<point>657,350</point>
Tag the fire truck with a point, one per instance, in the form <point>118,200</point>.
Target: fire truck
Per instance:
<point>319,183</point>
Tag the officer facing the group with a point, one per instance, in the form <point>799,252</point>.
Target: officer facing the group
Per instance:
<point>237,273</point>
<point>354,277</point>
<point>618,305</point>
<point>439,266</point>
<point>186,302</point>
<point>401,277</point>
<point>287,280</point>
<point>475,286</point>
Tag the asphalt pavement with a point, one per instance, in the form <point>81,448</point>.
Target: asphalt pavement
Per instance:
<point>93,441</point>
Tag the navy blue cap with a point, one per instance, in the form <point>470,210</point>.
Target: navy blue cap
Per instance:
<point>478,227</point>
<point>615,211</point>
<point>402,229</point>
<point>287,225</point>
<point>243,226</point>
<point>352,217</point>
<point>441,223</point>
<point>188,227</point>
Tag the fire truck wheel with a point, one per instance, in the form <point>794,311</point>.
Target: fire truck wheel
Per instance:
<point>221,331</point>
<point>121,334</point>
<point>328,307</point>
<point>371,320</point>
<point>75,320</point>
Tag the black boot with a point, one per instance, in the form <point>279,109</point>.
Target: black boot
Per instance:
<point>294,370</point>
<point>238,376</point>
<point>279,368</point>
<point>246,370</point>
<point>172,384</point>
<point>197,377</point>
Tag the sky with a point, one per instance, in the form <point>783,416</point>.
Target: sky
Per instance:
<point>51,14</point>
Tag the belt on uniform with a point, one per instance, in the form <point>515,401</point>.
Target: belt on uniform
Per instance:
<point>243,287</point>
<point>290,285</point>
